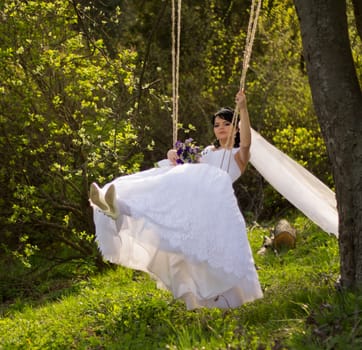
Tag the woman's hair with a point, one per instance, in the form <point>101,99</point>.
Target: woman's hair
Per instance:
<point>226,113</point>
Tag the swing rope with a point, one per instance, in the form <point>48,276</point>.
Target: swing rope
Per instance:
<point>252,26</point>
<point>250,36</point>
<point>176,35</point>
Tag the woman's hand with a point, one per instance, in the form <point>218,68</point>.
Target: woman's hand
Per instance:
<point>240,100</point>
<point>172,156</point>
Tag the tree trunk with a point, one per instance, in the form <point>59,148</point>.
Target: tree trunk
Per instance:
<point>284,235</point>
<point>337,100</point>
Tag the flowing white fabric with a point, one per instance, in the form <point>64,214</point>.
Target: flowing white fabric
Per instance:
<point>295,183</point>
<point>182,225</point>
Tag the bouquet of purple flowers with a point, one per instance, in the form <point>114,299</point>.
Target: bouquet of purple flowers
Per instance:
<point>187,151</point>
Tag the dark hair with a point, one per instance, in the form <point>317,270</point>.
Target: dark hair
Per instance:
<point>226,113</point>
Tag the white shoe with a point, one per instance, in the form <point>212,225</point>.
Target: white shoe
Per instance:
<point>97,198</point>
<point>110,199</point>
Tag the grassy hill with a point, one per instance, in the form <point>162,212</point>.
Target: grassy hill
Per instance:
<point>123,309</point>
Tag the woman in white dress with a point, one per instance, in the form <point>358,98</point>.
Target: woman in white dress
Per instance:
<point>182,224</point>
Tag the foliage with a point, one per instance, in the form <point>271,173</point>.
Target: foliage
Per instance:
<point>64,123</point>
<point>122,309</point>
<point>302,143</point>
<point>85,96</point>
<point>355,41</point>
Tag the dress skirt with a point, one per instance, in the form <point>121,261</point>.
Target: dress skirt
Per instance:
<point>182,225</point>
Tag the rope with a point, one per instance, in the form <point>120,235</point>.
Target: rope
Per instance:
<point>176,36</point>
<point>250,36</point>
<point>252,26</point>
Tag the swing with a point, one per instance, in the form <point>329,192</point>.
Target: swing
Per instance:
<point>166,222</point>
<point>301,188</point>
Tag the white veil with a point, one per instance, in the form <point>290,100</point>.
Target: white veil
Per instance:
<point>295,183</point>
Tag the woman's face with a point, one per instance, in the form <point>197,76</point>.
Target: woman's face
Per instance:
<point>222,129</point>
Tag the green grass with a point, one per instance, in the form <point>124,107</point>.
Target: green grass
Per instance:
<point>123,309</point>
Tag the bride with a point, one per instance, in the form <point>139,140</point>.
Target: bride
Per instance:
<point>181,223</point>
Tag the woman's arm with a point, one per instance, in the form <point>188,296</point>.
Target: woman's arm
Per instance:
<point>242,157</point>
<point>172,156</point>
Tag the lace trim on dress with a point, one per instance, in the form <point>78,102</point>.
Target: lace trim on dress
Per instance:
<point>210,236</point>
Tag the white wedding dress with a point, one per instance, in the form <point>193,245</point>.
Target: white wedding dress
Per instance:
<point>182,225</point>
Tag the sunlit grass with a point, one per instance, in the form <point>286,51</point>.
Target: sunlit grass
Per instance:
<point>123,309</point>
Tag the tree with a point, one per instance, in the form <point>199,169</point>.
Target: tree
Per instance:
<point>64,122</point>
<point>337,98</point>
